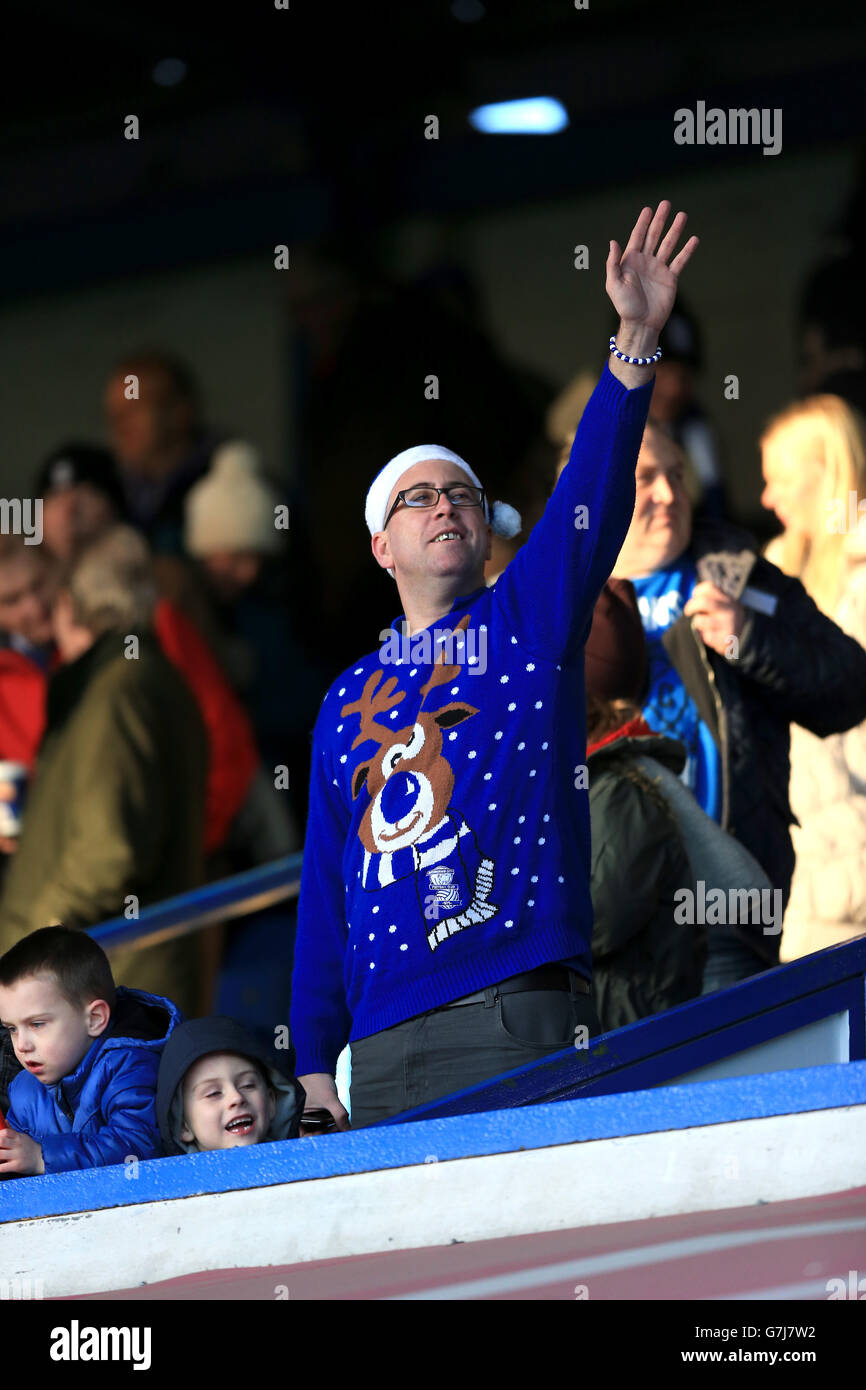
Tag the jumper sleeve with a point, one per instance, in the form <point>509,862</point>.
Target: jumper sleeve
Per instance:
<point>320,1019</point>
<point>548,591</point>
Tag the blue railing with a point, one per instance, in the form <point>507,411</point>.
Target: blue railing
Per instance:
<point>810,1011</point>
<point>229,898</point>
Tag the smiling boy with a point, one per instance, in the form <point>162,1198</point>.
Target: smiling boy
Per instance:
<point>89,1054</point>
<point>219,1088</point>
<point>227,1103</point>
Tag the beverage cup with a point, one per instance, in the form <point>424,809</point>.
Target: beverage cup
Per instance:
<point>11,812</point>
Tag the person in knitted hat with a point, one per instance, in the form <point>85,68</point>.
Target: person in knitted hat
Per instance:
<point>82,494</point>
<point>230,519</point>
<point>445,919</point>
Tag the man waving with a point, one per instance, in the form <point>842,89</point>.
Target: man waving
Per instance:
<point>445,920</point>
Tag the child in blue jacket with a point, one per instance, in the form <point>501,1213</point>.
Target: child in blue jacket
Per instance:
<point>89,1051</point>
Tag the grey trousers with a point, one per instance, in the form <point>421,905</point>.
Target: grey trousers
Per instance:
<point>447,1050</point>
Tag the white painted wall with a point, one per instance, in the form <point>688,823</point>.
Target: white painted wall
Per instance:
<point>708,1168</point>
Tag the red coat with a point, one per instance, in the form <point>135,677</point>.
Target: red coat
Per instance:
<point>232,753</point>
<point>22,707</point>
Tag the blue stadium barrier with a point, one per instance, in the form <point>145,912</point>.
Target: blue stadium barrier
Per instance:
<point>806,1013</point>
<point>671,1110</point>
<point>229,898</point>
<point>809,1013</point>
<point>789,1041</point>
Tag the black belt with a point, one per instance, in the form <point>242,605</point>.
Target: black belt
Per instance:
<point>545,977</point>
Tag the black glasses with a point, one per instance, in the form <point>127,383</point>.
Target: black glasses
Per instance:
<point>460,494</point>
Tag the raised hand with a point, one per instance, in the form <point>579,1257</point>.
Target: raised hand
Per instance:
<point>640,283</point>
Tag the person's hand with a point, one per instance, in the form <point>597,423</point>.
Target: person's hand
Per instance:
<point>716,618</point>
<point>321,1092</point>
<point>640,284</point>
<point>19,1154</point>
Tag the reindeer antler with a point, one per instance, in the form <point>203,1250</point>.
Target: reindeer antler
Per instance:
<point>443,673</point>
<point>370,704</point>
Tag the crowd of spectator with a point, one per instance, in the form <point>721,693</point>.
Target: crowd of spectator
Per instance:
<point>169,657</point>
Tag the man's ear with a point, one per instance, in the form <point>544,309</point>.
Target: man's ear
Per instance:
<point>98,1017</point>
<point>382,550</point>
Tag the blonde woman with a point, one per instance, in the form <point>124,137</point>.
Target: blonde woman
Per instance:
<point>814,467</point>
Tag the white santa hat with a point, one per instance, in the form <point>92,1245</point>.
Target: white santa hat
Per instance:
<point>503,518</point>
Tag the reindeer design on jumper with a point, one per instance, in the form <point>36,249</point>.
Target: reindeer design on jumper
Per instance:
<point>410,827</point>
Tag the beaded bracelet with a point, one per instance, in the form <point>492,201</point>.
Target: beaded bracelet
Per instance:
<point>635,361</point>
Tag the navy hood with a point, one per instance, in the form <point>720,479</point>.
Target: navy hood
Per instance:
<point>198,1037</point>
